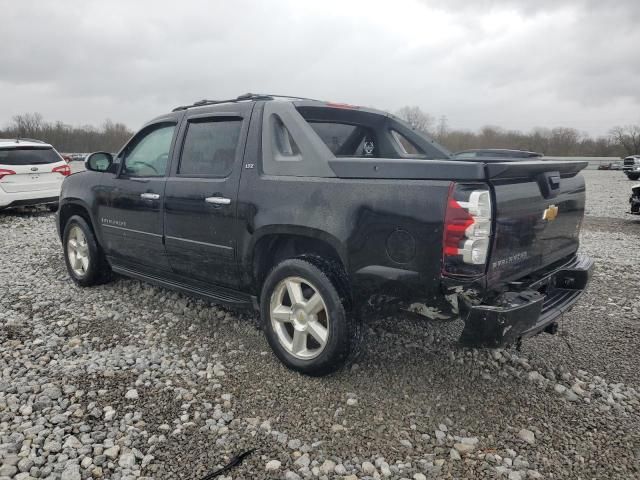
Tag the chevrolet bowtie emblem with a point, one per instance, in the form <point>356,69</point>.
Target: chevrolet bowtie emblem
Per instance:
<point>550,213</point>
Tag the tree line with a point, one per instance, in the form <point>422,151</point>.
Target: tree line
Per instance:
<point>558,141</point>
<point>108,137</point>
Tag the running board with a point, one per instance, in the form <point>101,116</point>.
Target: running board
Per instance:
<point>219,295</point>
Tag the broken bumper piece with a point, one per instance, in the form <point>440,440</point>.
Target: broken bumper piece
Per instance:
<point>527,311</point>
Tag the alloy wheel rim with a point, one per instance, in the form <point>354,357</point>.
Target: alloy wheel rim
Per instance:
<point>78,251</point>
<point>299,317</point>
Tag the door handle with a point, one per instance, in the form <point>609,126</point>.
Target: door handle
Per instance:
<point>149,196</point>
<point>218,200</point>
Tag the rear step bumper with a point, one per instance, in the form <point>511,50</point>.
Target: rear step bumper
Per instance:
<point>525,312</point>
<point>634,201</point>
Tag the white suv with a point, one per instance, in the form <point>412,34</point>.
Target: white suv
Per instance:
<point>31,173</point>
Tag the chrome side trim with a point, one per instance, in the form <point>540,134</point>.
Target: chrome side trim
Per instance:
<point>130,230</point>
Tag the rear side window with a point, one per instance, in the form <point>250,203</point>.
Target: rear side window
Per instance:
<point>346,140</point>
<point>209,147</point>
<point>284,142</point>
<point>28,156</point>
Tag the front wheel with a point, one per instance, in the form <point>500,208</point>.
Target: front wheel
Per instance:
<point>633,176</point>
<point>83,256</point>
<point>305,320</point>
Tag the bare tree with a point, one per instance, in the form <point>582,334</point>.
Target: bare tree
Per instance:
<point>27,124</point>
<point>66,138</point>
<point>564,141</point>
<point>416,118</point>
<point>628,137</point>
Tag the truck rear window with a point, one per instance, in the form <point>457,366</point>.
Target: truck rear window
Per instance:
<point>356,132</point>
<point>28,156</point>
<point>345,140</point>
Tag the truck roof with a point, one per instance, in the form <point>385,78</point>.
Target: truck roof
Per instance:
<point>298,101</point>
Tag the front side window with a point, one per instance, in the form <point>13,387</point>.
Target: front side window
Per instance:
<point>149,154</point>
<point>209,147</point>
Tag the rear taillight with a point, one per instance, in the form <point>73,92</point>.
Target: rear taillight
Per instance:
<point>5,171</point>
<point>467,230</point>
<point>64,170</point>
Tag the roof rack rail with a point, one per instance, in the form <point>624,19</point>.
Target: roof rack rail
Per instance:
<point>25,139</point>
<point>245,97</point>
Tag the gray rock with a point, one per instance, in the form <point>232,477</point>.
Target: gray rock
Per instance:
<point>368,468</point>
<point>8,470</point>
<point>131,394</point>
<point>294,444</point>
<point>71,472</point>
<point>527,435</point>
<point>340,469</point>
<point>127,460</point>
<point>464,448</point>
<point>112,452</point>
<point>327,467</point>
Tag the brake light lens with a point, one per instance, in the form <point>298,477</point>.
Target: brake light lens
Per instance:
<point>5,171</point>
<point>64,170</point>
<point>467,230</point>
<point>345,106</point>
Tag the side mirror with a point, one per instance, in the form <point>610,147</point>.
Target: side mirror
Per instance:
<point>99,162</point>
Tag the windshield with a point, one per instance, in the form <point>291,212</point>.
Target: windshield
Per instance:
<point>28,156</point>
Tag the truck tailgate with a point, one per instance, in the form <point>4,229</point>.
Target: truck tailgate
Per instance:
<point>539,206</point>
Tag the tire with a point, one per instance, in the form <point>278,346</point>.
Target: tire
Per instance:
<point>90,267</point>
<point>342,332</point>
<point>633,176</point>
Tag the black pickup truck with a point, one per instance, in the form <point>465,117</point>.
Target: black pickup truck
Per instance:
<point>316,213</point>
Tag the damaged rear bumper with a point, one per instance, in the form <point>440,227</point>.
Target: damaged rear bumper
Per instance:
<point>634,201</point>
<point>525,310</point>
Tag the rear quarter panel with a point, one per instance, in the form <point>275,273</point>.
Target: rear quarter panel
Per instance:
<point>357,217</point>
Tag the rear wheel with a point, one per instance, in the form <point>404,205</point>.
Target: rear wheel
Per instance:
<point>305,319</point>
<point>633,176</point>
<point>83,256</point>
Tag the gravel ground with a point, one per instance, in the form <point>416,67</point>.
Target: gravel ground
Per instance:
<point>608,193</point>
<point>128,380</point>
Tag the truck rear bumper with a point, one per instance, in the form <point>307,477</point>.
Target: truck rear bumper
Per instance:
<point>525,311</point>
<point>634,201</point>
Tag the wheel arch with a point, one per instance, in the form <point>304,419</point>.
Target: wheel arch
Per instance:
<point>272,245</point>
<point>70,208</point>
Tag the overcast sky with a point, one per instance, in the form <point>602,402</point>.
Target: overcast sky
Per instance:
<point>515,64</point>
